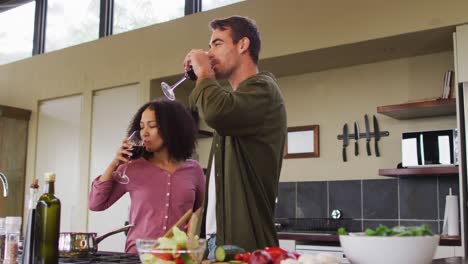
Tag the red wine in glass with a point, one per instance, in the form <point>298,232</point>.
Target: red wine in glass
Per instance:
<point>136,151</point>
<point>169,90</point>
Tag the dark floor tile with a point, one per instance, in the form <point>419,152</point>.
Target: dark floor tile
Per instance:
<point>286,205</point>
<point>433,225</point>
<point>311,200</point>
<point>380,199</point>
<point>354,226</point>
<point>418,198</point>
<point>375,223</point>
<point>346,197</point>
<point>445,183</point>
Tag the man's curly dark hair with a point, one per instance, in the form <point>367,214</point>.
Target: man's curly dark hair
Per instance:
<point>176,126</point>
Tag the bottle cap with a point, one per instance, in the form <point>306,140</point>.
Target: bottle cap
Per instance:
<point>49,176</point>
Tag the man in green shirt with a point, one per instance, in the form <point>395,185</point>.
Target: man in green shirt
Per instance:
<point>249,120</point>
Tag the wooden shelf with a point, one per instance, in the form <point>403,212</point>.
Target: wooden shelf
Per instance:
<point>433,108</point>
<point>419,171</point>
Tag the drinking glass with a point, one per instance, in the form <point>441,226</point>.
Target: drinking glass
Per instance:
<point>136,149</point>
<point>169,90</point>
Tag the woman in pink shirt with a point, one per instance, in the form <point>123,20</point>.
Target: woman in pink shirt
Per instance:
<point>164,182</point>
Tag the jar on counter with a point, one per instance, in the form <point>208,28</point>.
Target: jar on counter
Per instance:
<point>12,228</point>
<point>2,238</point>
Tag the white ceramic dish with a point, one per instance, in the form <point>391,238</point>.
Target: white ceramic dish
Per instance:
<point>360,249</point>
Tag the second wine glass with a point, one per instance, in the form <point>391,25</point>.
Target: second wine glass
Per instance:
<point>136,149</point>
<point>169,90</point>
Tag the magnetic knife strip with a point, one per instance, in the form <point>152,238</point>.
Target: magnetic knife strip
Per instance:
<point>363,135</point>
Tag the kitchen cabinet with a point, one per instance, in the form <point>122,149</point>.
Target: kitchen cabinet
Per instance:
<point>287,244</point>
<point>448,251</point>
<point>312,249</point>
<point>121,102</point>
<point>441,107</point>
<point>13,145</point>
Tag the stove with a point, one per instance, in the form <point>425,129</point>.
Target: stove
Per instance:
<point>320,225</point>
<point>103,257</point>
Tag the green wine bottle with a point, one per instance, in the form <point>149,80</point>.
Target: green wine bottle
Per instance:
<point>47,224</point>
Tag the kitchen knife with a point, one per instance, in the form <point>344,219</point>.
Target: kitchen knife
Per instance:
<point>356,137</point>
<point>376,136</point>
<point>345,140</point>
<point>366,120</point>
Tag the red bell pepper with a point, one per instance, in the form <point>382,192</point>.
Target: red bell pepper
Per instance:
<point>164,256</point>
<point>274,252</point>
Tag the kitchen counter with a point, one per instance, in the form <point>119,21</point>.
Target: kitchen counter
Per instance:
<point>333,240</point>
<point>453,260</point>
<point>116,257</point>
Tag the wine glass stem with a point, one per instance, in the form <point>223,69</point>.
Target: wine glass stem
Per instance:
<point>125,169</point>
<point>179,82</point>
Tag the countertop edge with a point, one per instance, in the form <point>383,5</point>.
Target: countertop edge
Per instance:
<point>312,237</point>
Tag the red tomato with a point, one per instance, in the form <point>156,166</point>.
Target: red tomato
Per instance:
<point>246,257</point>
<point>164,256</point>
<point>239,256</point>
<point>179,260</point>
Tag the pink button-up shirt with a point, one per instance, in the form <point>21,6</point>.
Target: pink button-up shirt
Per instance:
<point>158,198</point>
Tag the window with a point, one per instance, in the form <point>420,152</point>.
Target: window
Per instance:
<point>71,22</point>
<point>212,4</point>
<point>133,14</point>
<point>16,40</point>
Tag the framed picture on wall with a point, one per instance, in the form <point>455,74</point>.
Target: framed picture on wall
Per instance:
<point>302,142</point>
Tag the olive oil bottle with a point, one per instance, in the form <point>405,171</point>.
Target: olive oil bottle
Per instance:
<point>47,223</point>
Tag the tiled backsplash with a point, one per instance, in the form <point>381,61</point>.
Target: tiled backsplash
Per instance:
<point>401,201</point>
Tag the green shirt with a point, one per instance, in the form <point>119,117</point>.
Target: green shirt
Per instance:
<point>250,132</point>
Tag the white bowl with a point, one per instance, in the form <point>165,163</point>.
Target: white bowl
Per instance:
<point>360,249</point>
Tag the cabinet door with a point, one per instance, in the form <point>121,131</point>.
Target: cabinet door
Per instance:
<point>112,111</point>
<point>58,150</point>
<point>461,59</point>
<point>13,144</point>
<point>313,249</point>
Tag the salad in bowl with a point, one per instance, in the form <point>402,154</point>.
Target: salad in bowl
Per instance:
<point>178,249</point>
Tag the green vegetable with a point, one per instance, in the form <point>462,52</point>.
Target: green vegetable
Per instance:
<point>227,252</point>
<point>382,230</point>
<point>342,231</point>
<point>178,239</point>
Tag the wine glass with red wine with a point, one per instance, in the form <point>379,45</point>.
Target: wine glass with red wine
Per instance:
<point>169,90</point>
<point>137,150</point>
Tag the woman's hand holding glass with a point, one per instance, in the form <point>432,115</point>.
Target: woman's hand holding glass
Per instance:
<point>132,148</point>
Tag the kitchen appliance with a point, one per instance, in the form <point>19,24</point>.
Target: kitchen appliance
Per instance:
<point>315,225</point>
<point>429,148</point>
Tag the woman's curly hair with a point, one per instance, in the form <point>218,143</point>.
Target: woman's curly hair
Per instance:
<point>176,126</point>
